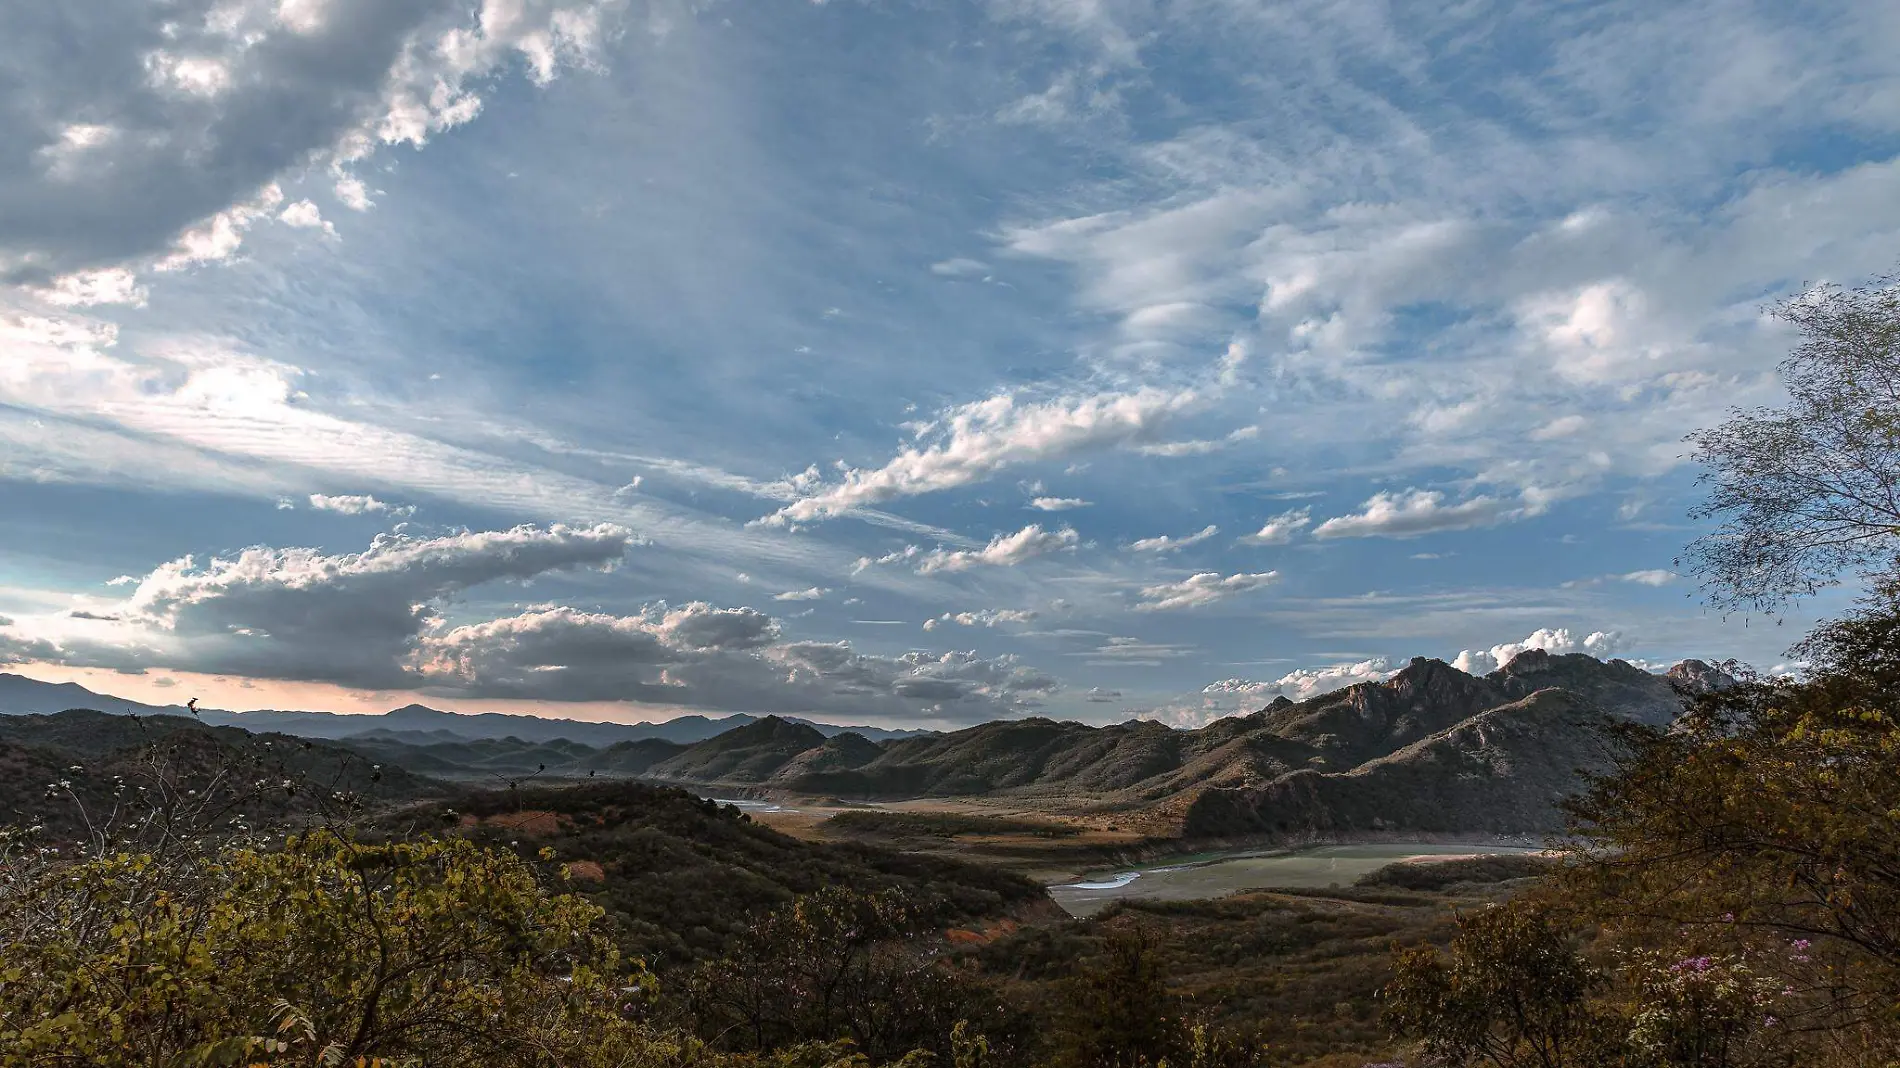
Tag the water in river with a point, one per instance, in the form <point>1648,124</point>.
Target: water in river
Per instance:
<point>1220,875</point>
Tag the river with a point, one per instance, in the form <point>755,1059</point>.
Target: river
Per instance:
<point>1222,874</point>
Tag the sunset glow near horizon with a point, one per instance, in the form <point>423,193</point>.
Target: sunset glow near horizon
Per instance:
<point>910,364</point>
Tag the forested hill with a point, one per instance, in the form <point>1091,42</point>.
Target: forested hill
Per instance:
<point>682,876</point>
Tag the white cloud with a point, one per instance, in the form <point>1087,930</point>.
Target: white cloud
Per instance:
<point>1203,588</point>
<point>972,442</point>
<point>811,594</point>
<point>1303,683</point>
<point>698,656</point>
<point>1414,512</point>
<point>1123,651</point>
<point>959,267</point>
<point>1003,550</point>
<point>305,215</point>
<point>985,617</point>
<point>1651,577</point>
<point>1200,447</point>
<point>1280,529</point>
<point>1057,504</point>
<point>373,620</point>
<point>908,552</point>
<point>1558,640</point>
<point>1237,697</point>
<point>1166,544</point>
<point>353,619</point>
<point>358,504</point>
<point>165,138</point>
<point>106,285</point>
<point>1560,427</point>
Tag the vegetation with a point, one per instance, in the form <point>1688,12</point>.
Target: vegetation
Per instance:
<point>1811,490</point>
<point>1728,895</point>
<point>682,878</point>
<point>877,823</point>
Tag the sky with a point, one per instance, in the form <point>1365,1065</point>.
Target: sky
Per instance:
<point>903,362</point>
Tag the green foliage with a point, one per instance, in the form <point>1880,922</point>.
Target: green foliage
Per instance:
<point>884,824</point>
<point>1742,870</point>
<point>683,878</point>
<point>1769,819</point>
<point>841,964</point>
<point>1513,992</point>
<point>322,951</point>
<point>1117,1011</point>
<point>1444,874</point>
<point>1808,491</point>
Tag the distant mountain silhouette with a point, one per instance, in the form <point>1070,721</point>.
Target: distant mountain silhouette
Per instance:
<point>19,695</point>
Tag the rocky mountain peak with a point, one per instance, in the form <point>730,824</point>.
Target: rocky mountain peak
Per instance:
<point>1699,677</point>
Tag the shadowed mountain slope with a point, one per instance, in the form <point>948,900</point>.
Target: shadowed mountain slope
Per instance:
<point>1431,749</point>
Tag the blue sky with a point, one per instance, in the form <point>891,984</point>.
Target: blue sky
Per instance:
<point>908,363</point>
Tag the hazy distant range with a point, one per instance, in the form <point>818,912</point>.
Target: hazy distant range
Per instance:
<point>20,695</point>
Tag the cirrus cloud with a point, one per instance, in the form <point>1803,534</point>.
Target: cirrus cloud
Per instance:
<point>1203,588</point>
<point>1166,544</point>
<point>1412,513</point>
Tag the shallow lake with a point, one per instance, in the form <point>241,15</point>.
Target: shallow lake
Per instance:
<point>1219,875</point>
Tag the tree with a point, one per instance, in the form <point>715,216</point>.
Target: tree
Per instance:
<point>1513,992</point>
<point>840,964</point>
<point>1117,1011</point>
<point>1811,490</point>
<point>322,951</point>
<point>1766,826</point>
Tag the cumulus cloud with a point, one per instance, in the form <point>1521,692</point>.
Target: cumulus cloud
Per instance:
<point>1302,683</point>
<point>353,619</point>
<point>1599,644</point>
<point>811,594</point>
<point>1236,697</point>
<point>305,215</point>
<point>1414,512</point>
<point>164,135</point>
<point>1280,529</point>
<point>1099,696</point>
<point>1204,588</point>
<point>358,504</point>
<point>985,617</point>
<point>1057,504</point>
<point>1003,550</point>
<point>972,442</point>
<point>107,285</point>
<point>698,656</point>
<point>1166,544</point>
<point>373,620</point>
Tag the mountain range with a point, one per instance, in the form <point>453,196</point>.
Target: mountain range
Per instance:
<point>1431,749</point>
<point>20,695</point>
